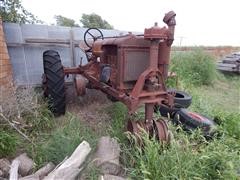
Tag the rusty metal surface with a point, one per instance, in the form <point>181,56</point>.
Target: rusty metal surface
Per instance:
<point>80,84</point>
<point>132,58</point>
<point>138,67</point>
<point>154,128</point>
<point>161,130</point>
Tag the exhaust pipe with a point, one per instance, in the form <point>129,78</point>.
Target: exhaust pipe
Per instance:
<point>169,19</point>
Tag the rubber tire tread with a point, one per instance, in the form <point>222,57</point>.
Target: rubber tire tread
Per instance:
<point>184,101</point>
<point>190,123</point>
<point>54,72</point>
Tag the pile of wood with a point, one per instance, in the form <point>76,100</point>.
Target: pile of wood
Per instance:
<point>106,159</point>
<point>230,63</point>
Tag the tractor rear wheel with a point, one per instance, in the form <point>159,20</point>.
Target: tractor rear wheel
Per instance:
<point>53,82</point>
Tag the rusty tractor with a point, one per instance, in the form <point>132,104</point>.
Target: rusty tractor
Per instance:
<point>130,68</point>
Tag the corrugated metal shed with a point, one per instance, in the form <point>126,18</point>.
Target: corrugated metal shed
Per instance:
<point>26,57</point>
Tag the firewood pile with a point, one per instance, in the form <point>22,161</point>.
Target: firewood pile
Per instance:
<point>230,63</point>
<point>106,158</point>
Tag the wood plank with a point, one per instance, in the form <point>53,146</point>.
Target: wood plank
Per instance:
<point>42,40</point>
<point>227,69</point>
<point>231,61</point>
<point>36,45</point>
<point>72,47</point>
<point>226,65</point>
<point>52,41</point>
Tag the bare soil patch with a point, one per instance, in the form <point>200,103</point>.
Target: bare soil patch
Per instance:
<point>90,108</point>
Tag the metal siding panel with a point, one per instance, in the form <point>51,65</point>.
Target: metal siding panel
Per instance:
<point>27,61</point>
<point>79,54</point>
<point>13,33</point>
<point>78,33</point>
<point>34,31</point>
<point>58,32</point>
<point>20,73</point>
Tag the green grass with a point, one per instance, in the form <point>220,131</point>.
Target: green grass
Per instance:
<point>185,159</point>
<point>118,114</point>
<point>192,156</point>
<point>8,142</point>
<point>63,140</point>
<point>189,156</point>
<point>194,68</point>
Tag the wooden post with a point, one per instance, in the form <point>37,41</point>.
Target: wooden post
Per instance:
<point>6,76</point>
<point>72,48</point>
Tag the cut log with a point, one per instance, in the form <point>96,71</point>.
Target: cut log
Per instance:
<point>4,167</point>
<point>1,173</point>
<point>111,177</point>
<point>45,170</point>
<point>30,177</point>
<point>71,167</point>
<point>107,156</point>
<point>14,170</point>
<point>41,173</point>
<point>26,164</point>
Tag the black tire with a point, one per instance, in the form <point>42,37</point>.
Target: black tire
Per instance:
<point>191,121</point>
<point>166,111</point>
<point>112,98</point>
<point>181,99</point>
<point>53,86</point>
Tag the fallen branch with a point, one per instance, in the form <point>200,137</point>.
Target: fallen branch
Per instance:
<point>18,130</point>
<point>41,173</point>
<point>71,167</point>
<point>14,170</point>
<point>111,177</point>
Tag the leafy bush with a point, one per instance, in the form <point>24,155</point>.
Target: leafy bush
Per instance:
<point>194,68</point>
<point>8,143</point>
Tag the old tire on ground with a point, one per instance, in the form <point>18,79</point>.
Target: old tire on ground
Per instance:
<point>53,82</point>
<point>181,100</point>
<point>168,112</point>
<point>112,98</point>
<point>191,121</point>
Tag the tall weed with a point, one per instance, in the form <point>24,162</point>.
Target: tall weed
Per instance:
<point>8,142</point>
<point>194,68</point>
<point>63,141</point>
<point>185,159</point>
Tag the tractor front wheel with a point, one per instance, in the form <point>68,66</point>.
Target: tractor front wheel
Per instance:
<point>53,82</point>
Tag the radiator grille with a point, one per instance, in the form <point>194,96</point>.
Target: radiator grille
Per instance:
<point>135,63</point>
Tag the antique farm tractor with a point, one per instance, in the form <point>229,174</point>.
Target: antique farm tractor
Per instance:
<point>130,68</point>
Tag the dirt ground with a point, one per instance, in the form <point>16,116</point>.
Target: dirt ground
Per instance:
<point>90,108</point>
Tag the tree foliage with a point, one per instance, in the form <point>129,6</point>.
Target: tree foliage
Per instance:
<point>13,11</point>
<point>94,21</point>
<point>64,21</point>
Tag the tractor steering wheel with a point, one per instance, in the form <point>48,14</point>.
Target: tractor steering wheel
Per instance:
<point>91,35</point>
